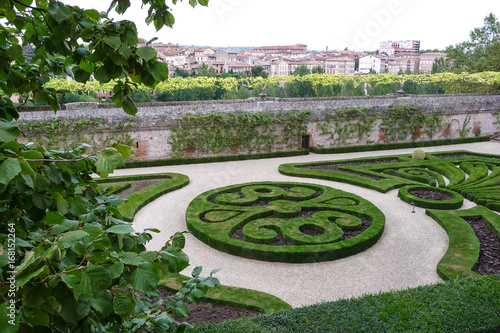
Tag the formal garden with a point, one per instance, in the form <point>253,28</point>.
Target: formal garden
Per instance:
<point>300,222</point>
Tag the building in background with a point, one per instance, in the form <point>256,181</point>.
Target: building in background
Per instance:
<point>427,60</point>
<point>403,46</point>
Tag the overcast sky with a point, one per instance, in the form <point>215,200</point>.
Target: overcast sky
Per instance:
<point>359,25</point>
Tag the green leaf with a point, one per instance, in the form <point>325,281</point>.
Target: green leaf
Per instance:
<point>21,281</point>
<point>102,302</point>
<point>123,149</point>
<point>145,277</point>
<point>203,2</point>
<point>147,53</point>
<point>177,260</point>
<point>115,270</point>
<point>94,279</point>
<point>41,200</point>
<point>77,206</point>
<point>8,170</point>
<point>73,280</point>
<point>82,76</point>
<point>92,14</point>
<point>41,183</point>
<point>102,75</point>
<point>120,229</point>
<point>159,70</point>
<point>53,218</point>
<point>59,11</point>
<point>62,206</point>
<point>180,310</point>
<point>29,258</point>
<point>70,238</point>
<point>113,41</point>
<point>123,304</point>
<point>108,161</point>
<point>129,106</point>
<point>196,271</point>
<point>5,326</point>
<point>179,240</point>
<point>215,271</point>
<point>73,311</point>
<point>14,52</point>
<point>132,258</point>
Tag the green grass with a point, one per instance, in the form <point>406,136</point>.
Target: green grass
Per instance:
<point>460,305</point>
<point>232,296</point>
<point>463,249</point>
<point>142,197</point>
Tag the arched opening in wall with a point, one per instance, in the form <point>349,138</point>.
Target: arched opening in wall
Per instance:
<point>306,141</point>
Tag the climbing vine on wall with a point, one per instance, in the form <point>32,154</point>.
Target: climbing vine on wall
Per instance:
<point>67,135</point>
<point>347,124</point>
<point>250,132</point>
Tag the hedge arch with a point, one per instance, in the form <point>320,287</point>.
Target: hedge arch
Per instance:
<point>455,200</point>
<point>285,222</point>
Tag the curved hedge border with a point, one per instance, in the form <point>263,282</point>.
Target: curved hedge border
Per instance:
<point>232,296</point>
<point>215,215</point>
<point>213,159</point>
<point>386,173</point>
<point>141,198</point>
<point>396,145</point>
<point>463,250</point>
<point>456,202</point>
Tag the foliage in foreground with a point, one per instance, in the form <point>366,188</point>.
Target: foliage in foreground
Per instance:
<point>66,255</point>
<point>461,305</point>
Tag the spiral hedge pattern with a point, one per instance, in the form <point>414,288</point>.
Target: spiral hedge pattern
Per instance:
<point>286,222</point>
<point>473,175</point>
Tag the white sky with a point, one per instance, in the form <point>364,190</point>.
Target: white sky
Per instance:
<point>357,24</point>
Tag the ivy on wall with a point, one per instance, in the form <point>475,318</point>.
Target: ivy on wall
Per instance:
<point>397,124</point>
<point>249,132</point>
<point>347,124</point>
<point>67,135</point>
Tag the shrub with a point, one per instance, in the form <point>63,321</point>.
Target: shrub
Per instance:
<point>418,154</point>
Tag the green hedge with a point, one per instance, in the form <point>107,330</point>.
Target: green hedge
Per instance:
<point>396,145</point>
<point>481,187</point>
<point>214,222</point>
<point>463,249</point>
<point>456,202</point>
<point>142,197</point>
<point>232,296</point>
<point>213,159</point>
<point>458,306</point>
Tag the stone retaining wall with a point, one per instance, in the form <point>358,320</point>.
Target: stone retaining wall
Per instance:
<point>152,125</point>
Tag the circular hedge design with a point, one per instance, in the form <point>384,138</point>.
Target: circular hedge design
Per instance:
<point>286,222</point>
<point>454,200</point>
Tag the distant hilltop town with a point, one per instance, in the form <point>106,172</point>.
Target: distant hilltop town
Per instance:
<point>393,57</point>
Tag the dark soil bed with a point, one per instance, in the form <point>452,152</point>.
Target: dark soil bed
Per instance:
<point>205,312</point>
<point>430,195</point>
<point>282,241</point>
<point>335,167</point>
<point>138,185</point>
<point>489,252</point>
<point>208,312</point>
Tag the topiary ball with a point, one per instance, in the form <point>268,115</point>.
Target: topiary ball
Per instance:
<point>418,154</point>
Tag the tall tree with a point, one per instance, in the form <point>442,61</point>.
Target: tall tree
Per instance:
<point>440,65</point>
<point>317,69</point>
<point>302,70</point>
<point>482,52</point>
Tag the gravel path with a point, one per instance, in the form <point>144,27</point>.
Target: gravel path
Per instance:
<point>406,255</point>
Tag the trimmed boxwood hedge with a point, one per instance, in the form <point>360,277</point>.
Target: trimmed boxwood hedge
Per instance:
<point>142,197</point>
<point>456,202</point>
<point>390,172</point>
<point>215,215</point>
<point>232,296</point>
<point>213,159</point>
<point>396,145</point>
<point>463,249</point>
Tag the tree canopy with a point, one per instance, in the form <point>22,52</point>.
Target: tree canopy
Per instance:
<point>482,52</point>
<point>66,255</point>
<point>79,43</point>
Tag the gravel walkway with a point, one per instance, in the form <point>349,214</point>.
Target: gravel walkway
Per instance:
<point>406,255</point>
